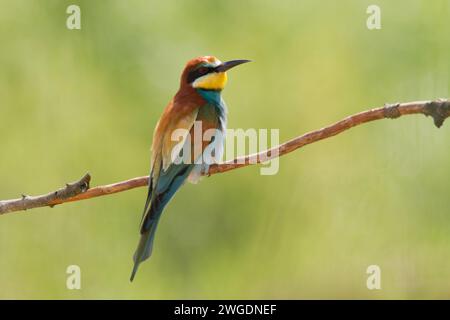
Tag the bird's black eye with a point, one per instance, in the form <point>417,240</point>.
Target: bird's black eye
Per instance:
<point>202,70</point>
<point>197,73</point>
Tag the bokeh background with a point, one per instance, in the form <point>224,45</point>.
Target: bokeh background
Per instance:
<point>73,101</point>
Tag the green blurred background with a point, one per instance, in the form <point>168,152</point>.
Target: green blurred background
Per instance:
<point>73,101</point>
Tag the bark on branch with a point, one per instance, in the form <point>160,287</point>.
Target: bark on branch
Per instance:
<point>439,110</point>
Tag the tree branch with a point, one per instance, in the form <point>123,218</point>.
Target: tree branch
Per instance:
<point>439,110</point>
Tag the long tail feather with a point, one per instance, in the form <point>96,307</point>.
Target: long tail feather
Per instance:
<point>169,183</point>
<point>135,269</point>
<point>145,246</point>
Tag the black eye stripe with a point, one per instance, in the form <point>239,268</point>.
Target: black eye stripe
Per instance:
<point>199,72</point>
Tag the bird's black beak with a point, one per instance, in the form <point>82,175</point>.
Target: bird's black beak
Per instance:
<point>229,64</point>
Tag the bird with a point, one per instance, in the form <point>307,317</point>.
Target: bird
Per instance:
<point>197,102</point>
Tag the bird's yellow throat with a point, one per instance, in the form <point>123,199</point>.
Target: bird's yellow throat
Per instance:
<point>211,81</point>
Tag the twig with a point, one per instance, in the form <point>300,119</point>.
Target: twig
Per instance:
<point>51,199</point>
<point>439,110</point>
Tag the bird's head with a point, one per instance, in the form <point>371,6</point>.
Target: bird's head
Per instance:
<point>207,73</point>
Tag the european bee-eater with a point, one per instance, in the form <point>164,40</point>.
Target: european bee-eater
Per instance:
<point>198,100</point>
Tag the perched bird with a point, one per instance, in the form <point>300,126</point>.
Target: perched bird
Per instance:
<point>198,100</point>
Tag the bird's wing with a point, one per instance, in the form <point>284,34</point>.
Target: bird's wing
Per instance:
<point>162,147</point>
<point>171,139</point>
<point>177,115</point>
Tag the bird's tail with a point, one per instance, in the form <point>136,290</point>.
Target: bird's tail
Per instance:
<point>145,246</point>
<point>172,179</point>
